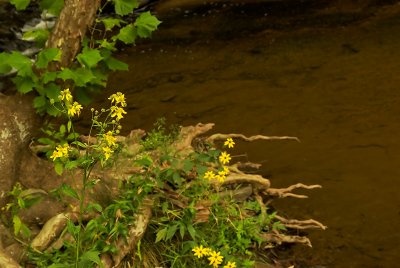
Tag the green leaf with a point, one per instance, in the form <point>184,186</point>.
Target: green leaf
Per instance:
<point>23,84</point>
<point>17,223</point>
<point>171,232</point>
<point>47,55</point>
<point>191,231</point>
<point>69,126</point>
<point>68,191</point>
<point>58,167</point>
<point>4,66</point>
<point>114,64</point>
<point>52,91</point>
<point>187,165</point>
<point>83,76</point>
<point>124,7</point>
<point>49,76</point>
<point>161,234</point>
<point>46,141</point>
<point>126,34</point>
<point>66,74</point>
<point>146,24</point>
<point>20,4</point>
<point>17,60</point>
<point>63,129</point>
<point>39,102</point>
<point>92,256</point>
<point>52,6</point>
<point>80,144</point>
<point>89,57</point>
<point>110,23</point>
<point>71,164</point>
<point>182,230</point>
<point>40,36</point>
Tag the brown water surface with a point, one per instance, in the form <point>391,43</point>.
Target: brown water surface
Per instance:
<point>335,86</point>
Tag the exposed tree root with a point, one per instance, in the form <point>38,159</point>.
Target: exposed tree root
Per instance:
<point>238,184</point>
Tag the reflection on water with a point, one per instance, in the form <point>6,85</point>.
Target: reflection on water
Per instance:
<point>336,88</point>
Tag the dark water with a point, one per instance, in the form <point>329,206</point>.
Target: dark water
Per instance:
<point>334,85</point>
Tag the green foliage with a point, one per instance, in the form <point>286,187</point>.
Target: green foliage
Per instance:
<point>91,66</point>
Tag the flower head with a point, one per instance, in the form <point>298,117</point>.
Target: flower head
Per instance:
<point>220,177</point>
<point>209,175</point>
<point>107,151</point>
<point>229,142</point>
<point>200,251</point>
<point>215,258</point>
<point>117,112</point>
<point>66,94</point>
<point>118,98</point>
<point>60,152</point>
<point>224,158</point>
<point>110,139</point>
<point>75,108</point>
<point>230,265</point>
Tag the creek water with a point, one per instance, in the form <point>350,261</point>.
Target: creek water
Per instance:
<point>333,85</point>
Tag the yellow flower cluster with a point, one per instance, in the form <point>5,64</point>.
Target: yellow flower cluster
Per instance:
<point>224,158</point>
<point>214,257</point>
<point>109,144</point>
<point>73,108</point>
<point>118,102</point>
<point>60,152</point>
<point>118,98</point>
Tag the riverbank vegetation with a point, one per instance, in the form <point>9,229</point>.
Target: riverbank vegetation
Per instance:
<point>171,197</point>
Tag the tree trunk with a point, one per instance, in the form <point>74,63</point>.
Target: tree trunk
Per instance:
<point>18,120</point>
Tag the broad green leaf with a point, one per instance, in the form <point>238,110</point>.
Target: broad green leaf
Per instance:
<point>89,57</point>
<point>63,129</point>
<point>49,76</point>
<point>47,55</point>
<point>40,36</point>
<point>39,102</point>
<point>106,44</point>
<point>124,7</point>
<point>83,76</point>
<point>4,66</point>
<point>17,224</point>
<point>23,84</point>
<point>126,34</point>
<point>116,65</point>
<point>20,4</point>
<point>92,256</point>
<point>71,164</point>
<point>66,74</point>
<point>17,60</point>
<point>58,167</point>
<point>52,91</point>
<point>110,23</point>
<point>68,191</point>
<point>161,234</point>
<point>187,165</point>
<point>52,6</point>
<point>146,24</point>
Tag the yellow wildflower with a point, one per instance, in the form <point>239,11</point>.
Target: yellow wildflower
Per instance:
<point>229,142</point>
<point>60,151</point>
<point>110,139</point>
<point>117,112</point>
<point>230,265</point>
<point>107,152</point>
<point>209,175</point>
<point>224,158</point>
<point>220,177</point>
<point>215,258</point>
<point>199,251</point>
<point>66,94</point>
<point>118,98</point>
<point>74,109</point>
<point>207,251</point>
<point>226,170</point>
